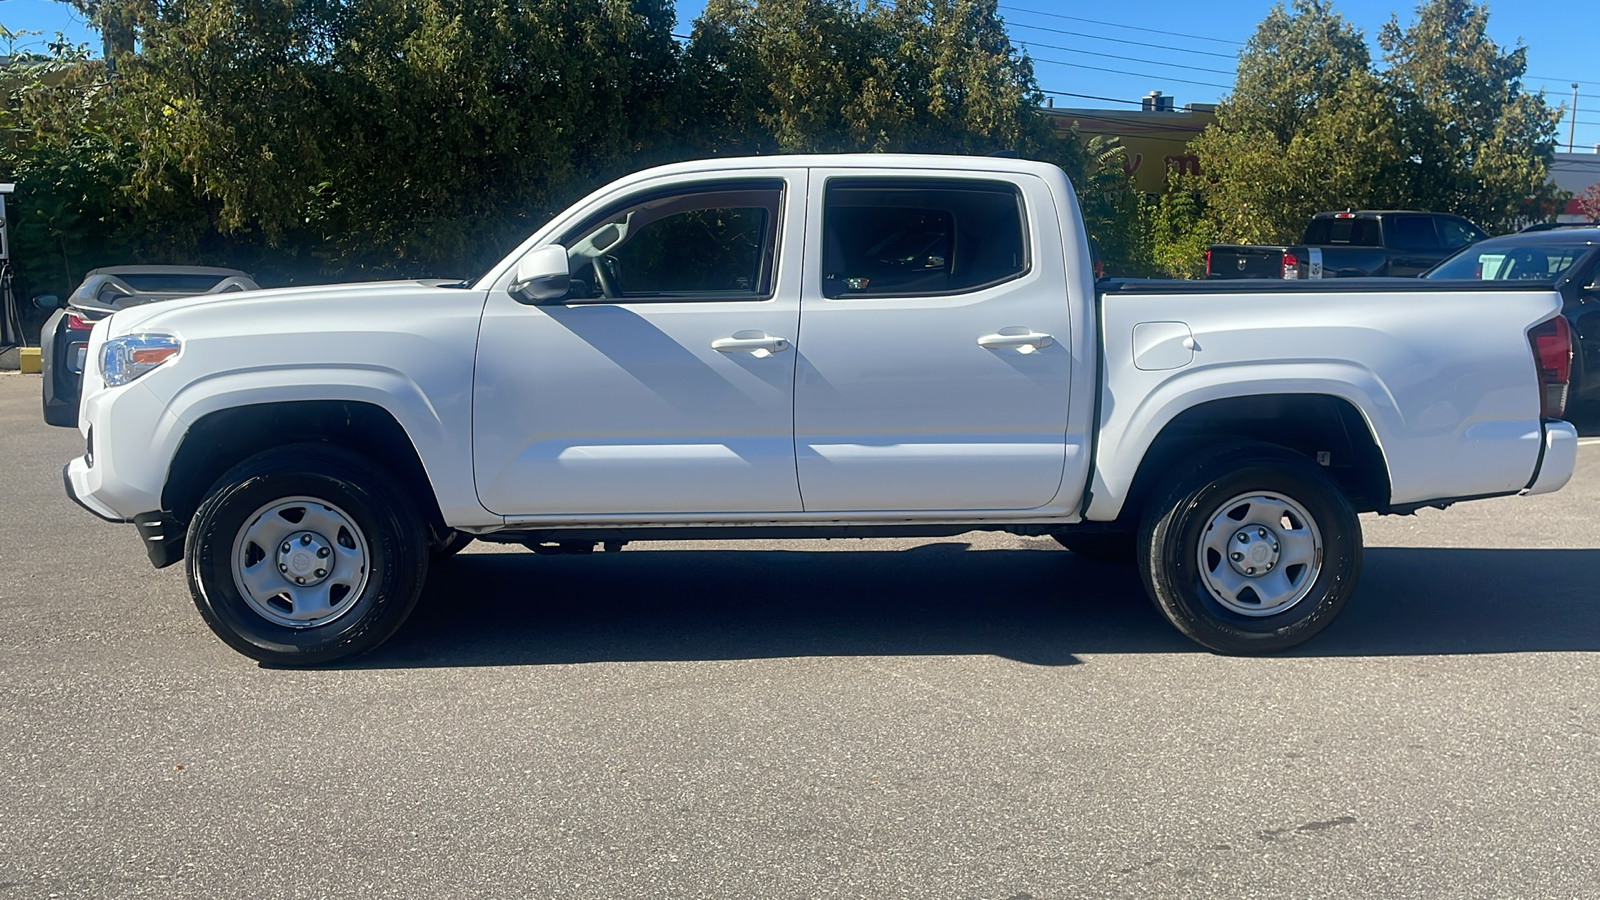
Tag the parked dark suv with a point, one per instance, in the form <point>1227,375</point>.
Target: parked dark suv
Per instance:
<point>64,342</point>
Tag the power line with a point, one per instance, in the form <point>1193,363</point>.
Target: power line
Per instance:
<point>1567,80</point>
<point>1127,58</point>
<point>1196,37</point>
<point>1091,97</point>
<point>1096,37</point>
<point>1167,78</point>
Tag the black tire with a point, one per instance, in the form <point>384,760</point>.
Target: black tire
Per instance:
<point>1179,519</point>
<point>1102,546</point>
<point>396,553</point>
<point>455,543</point>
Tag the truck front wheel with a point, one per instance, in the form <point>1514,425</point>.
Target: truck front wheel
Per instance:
<point>304,555</point>
<point>1255,551</point>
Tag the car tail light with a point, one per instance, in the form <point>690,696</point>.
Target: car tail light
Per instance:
<point>76,322</point>
<point>1208,262</point>
<point>1291,266</point>
<point>1552,353</point>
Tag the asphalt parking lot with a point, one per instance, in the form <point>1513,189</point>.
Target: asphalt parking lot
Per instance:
<point>981,717</point>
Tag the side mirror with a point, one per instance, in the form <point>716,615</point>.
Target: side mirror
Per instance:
<point>542,275</point>
<point>47,301</point>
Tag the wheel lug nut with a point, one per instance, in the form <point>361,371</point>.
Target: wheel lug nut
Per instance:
<point>1261,532</point>
<point>322,553</point>
<point>1238,557</point>
<point>282,567</point>
<point>299,581</point>
<point>1250,571</point>
<point>1244,538</point>
<point>321,572</point>
<point>306,539</point>
<point>286,547</point>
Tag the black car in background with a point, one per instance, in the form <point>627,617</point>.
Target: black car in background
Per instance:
<point>1568,257</point>
<point>64,341</point>
<point>1352,244</point>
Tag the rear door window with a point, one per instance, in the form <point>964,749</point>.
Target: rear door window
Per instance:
<point>1412,233</point>
<point>905,238</point>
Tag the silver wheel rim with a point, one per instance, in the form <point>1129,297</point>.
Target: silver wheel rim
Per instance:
<point>1260,554</point>
<point>300,562</point>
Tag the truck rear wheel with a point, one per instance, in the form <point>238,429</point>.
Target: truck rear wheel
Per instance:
<point>304,555</point>
<point>1255,551</point>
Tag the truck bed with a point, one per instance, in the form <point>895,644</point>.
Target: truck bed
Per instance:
<point>1441,372</point>
<point>1319,286</point>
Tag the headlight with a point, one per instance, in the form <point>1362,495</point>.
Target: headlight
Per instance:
<point>123,359</point>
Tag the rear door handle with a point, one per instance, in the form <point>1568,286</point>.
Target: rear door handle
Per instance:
<point>1026,340</point>
<point>755,343</point>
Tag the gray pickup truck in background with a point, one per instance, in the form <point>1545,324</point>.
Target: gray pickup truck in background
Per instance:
<point>1354,244</point>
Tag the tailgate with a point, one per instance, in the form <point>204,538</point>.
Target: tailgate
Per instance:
<point>1244,261</point>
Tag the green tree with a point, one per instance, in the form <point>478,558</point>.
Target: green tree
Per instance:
<point>1292,68</point>
<point>309,139</point>
<point>391,136</point>
<point>919,76</point>
<point>787,76</point>
<point>61,146</point>
<point>834,75</point>
<point>1174,231</point>
<point>1308,127</point>
<point>1477,143</point>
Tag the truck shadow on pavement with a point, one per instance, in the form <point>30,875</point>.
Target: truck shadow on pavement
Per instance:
<point>1038,607</point>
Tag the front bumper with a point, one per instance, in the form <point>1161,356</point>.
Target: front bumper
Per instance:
<point>75,475</point>
<point>161,534</point>
<point>1558,459</point>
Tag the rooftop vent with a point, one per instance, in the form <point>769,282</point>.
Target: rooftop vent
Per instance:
<point>1155,101</point>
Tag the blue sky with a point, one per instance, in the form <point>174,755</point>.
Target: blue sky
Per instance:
<point>1560,36</point>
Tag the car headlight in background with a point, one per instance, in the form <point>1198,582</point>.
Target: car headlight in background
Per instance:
<point>123,359</point>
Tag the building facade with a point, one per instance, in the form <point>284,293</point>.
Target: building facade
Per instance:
<point>1156,136</point>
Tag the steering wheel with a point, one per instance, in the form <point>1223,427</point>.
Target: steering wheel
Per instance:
<point>602,274</point>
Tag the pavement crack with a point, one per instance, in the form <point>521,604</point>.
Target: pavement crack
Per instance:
<point>1274,834</point>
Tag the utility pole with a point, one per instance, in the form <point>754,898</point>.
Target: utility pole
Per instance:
<point>1573,127</point>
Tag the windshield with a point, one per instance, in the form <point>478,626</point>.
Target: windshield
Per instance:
<point>1519,261</point>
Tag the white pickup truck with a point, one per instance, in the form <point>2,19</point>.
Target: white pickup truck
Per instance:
<point>811,346</point>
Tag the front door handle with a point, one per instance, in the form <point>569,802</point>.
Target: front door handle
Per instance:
<point>755,343</point>
<point>1026,340</point>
